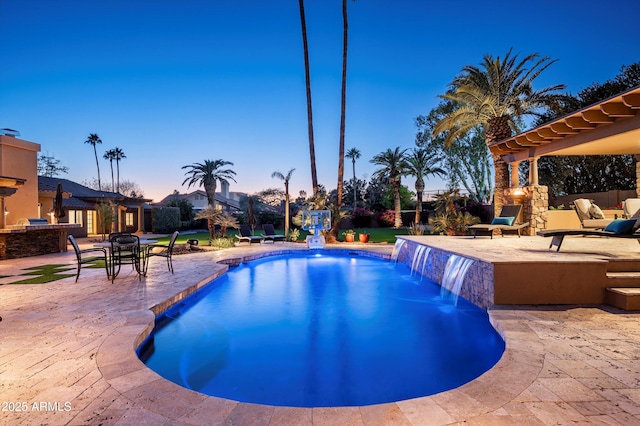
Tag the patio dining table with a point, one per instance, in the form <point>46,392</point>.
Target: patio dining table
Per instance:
<point>140,265</point>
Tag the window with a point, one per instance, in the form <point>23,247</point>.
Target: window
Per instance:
<point>75,216</point>
<point>91,222</point>
<point>128,219</point>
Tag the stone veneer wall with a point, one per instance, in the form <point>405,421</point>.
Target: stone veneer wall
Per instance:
<point>535,208</point>
<point>478,282</point>
<point>15,245</point>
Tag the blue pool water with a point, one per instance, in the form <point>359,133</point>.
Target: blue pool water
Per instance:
<point>321,330</point>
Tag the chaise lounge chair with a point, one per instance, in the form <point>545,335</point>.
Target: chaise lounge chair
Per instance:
<point>618,228</point>
<point>505,222</point>
<point>270,234</point>
<point>590,215</point>
<point>246,235</point>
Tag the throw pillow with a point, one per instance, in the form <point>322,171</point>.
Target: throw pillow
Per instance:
<point>595,212</point>
<point>503,221</point>
<point>621,226</point>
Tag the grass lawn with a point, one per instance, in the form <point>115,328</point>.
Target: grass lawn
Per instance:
<point>377,235</point>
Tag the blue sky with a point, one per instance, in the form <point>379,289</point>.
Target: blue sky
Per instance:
<point>176,82</point>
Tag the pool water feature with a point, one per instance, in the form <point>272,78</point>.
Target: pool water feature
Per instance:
<point>307,330</point>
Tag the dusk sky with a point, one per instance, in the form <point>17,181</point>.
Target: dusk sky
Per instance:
<point>173,83</point>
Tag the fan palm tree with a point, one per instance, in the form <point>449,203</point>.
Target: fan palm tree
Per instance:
<point>354,154</point>
<point>118,155</point>
<point>497,95</point>
<point>207,174</point>
<point>394,166</point>
<point>286,178</point>
<point>421,165</point>
<point>111,155</point>
<point>312,152</point>
<point>93,140</point>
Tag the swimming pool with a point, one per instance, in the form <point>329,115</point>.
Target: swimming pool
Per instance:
<point>308,330</point>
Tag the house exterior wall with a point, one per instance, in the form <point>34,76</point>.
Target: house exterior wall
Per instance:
<point>19,159</point>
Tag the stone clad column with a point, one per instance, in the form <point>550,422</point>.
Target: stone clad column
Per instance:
<point>535,208</point>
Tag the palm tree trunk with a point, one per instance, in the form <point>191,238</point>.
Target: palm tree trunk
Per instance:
<point>312,151</point>
<point>112,181</point>
<point>419,190</point>
<point>343,101</point>
<point>355,189</point>
<point>286,210</point>
<point>95,152</point>
<point>118,175</point>
<point>501,182</point>
<point>396,204</point>
<point>210,189</point>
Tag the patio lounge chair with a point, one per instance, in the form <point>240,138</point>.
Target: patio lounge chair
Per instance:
<point>246,235</point>
<point>505,222</point>
<point>618,228</point>
<point>590,215</point>
<point>631,208</point>
<point>165,250</point>
<point>270,234</point>
<point>82,259</point>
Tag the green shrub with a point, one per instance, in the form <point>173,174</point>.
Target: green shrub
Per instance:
<point>165,220</point>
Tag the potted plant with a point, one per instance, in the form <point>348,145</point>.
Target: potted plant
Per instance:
<point>364,237</point>
<point>349,235</point>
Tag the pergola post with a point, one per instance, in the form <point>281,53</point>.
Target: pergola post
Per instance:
<point>140,220</point>
<point>533,171</point>
<point>515,174</point>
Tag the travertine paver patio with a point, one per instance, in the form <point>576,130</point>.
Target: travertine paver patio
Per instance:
<point>67,357</point>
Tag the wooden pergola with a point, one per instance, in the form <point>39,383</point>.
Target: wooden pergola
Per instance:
<point>610,127</point>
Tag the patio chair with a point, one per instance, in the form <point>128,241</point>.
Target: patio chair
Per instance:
<point>270,234</point>
<point>246,235</point>
<point>590,215</point>
<point>631,208</point>
<point>505,222</point>
<point>82,259</point>
<point>125,248</point>
<point>618,228</point>
<point>165,250</point>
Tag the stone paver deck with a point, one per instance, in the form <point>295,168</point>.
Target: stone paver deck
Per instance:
<point>67,357</point>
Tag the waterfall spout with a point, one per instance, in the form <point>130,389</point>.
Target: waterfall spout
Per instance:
<point>453,277</point>
<point>420,259</point>
<point>396,249</point>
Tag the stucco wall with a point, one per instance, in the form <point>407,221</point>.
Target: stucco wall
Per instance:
<point>19,159</point>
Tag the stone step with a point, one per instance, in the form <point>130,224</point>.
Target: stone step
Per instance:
<point>623,265</point>
<point>626,298</point>
<point>623,279</point>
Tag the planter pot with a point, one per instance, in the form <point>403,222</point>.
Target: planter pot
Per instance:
<point>349,238</point>
<point>364,238</point>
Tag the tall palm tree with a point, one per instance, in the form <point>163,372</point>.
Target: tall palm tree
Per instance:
<point>118,155</point>
<point>286,178</point>
<point>394,166</point>
<point>207,174</point>
<point>497,95</point>
<point>343,103</point>
<point>354,154</point>
<point>420,164</point>
<point>312,151</point>
<point>111,155</point>
<point>93,140</point>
